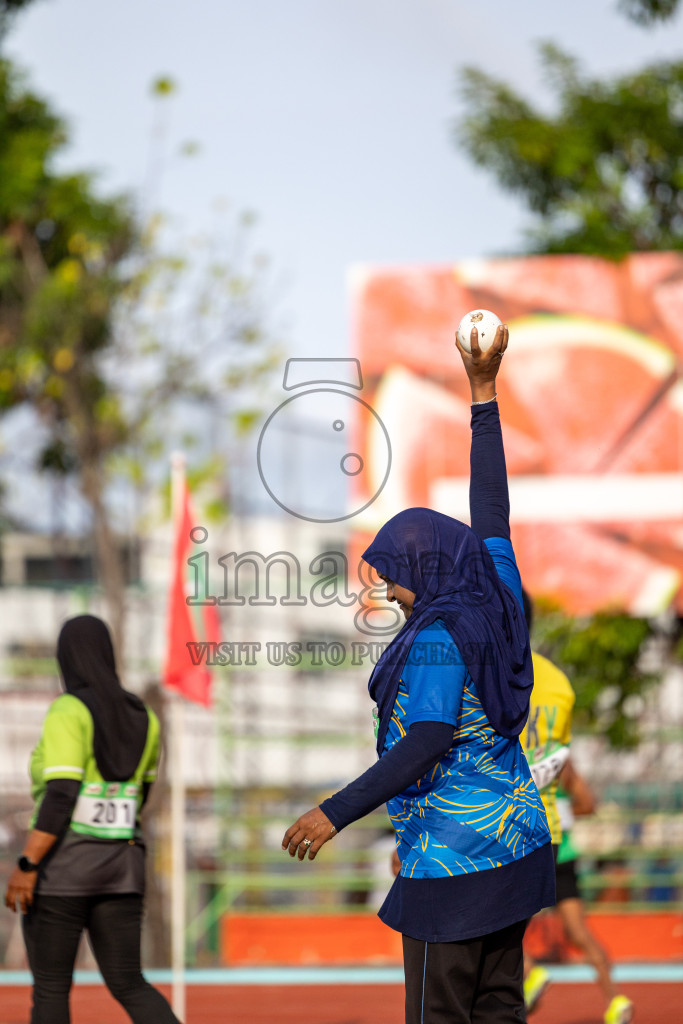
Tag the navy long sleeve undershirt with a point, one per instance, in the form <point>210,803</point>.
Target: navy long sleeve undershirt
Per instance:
<point>426,742</point>
<point>489,497</point>
<point>419,750</point>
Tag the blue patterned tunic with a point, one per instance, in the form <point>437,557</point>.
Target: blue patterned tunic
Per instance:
<point>472,835</point>
<point>478,808</point>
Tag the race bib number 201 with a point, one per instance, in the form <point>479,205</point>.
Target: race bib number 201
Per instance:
<point>106,809</point>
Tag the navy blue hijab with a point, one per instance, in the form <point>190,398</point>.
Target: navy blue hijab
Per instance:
<point>451,572</point>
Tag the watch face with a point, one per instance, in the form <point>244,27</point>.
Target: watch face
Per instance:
<point>26,865</point>
<point>311,466</point>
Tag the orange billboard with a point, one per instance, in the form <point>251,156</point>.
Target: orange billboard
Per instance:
<point>591,400</point>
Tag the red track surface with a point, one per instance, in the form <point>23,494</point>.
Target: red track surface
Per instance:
<point>344,1004</point>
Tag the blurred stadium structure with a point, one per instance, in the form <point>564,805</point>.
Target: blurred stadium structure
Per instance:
<point>275,739</point>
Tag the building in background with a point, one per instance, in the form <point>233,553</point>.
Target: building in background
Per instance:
<point>591,402</point>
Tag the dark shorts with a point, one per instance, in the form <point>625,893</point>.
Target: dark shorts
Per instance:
<point>566,882</point>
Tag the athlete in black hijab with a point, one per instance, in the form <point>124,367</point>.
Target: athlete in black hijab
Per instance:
<point>83,863</point>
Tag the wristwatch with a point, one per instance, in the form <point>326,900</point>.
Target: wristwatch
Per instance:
<point>24,864</point>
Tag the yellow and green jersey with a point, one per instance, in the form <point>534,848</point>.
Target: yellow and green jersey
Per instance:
<point>547,734</point>
<point>104,809</point>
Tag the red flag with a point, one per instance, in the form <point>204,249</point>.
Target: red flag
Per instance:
<point>186,669</point>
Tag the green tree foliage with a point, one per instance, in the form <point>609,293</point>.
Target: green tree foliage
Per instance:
<point>60,250</point>
<point>603,172</point>
<point>649,12</point>
<point>101,331</point>
<point>8,8</point>
<point>603,657</point>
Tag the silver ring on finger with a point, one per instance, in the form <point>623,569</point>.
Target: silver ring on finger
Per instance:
<point>307,842</point>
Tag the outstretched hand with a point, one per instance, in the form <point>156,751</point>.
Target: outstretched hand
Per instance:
<point>308,834</point>
<point>482,367</point>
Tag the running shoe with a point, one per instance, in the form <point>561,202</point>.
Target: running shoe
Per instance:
<point>535,984</point>
<point>619,1011</point>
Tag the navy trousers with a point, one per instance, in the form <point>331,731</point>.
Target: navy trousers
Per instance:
<point>475,981</point>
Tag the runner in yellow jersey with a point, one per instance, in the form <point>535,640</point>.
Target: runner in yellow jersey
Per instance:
<point>546,740</point>
<point>548,731</point>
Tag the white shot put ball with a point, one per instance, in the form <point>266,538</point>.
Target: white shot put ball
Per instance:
<point>486,323</point>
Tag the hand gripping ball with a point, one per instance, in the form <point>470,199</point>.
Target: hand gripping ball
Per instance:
<point>486,323</point>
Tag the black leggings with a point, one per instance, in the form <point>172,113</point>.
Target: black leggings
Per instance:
<point>52,930</point>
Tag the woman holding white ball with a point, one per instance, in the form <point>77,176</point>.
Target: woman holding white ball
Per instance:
<point>452,693</point>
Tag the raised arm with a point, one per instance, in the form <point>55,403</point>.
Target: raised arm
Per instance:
<point>489,498</point>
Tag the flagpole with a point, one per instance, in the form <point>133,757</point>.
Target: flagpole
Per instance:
<point>177,777</point>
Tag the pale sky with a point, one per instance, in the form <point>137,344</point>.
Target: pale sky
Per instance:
<point>330,118</point>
